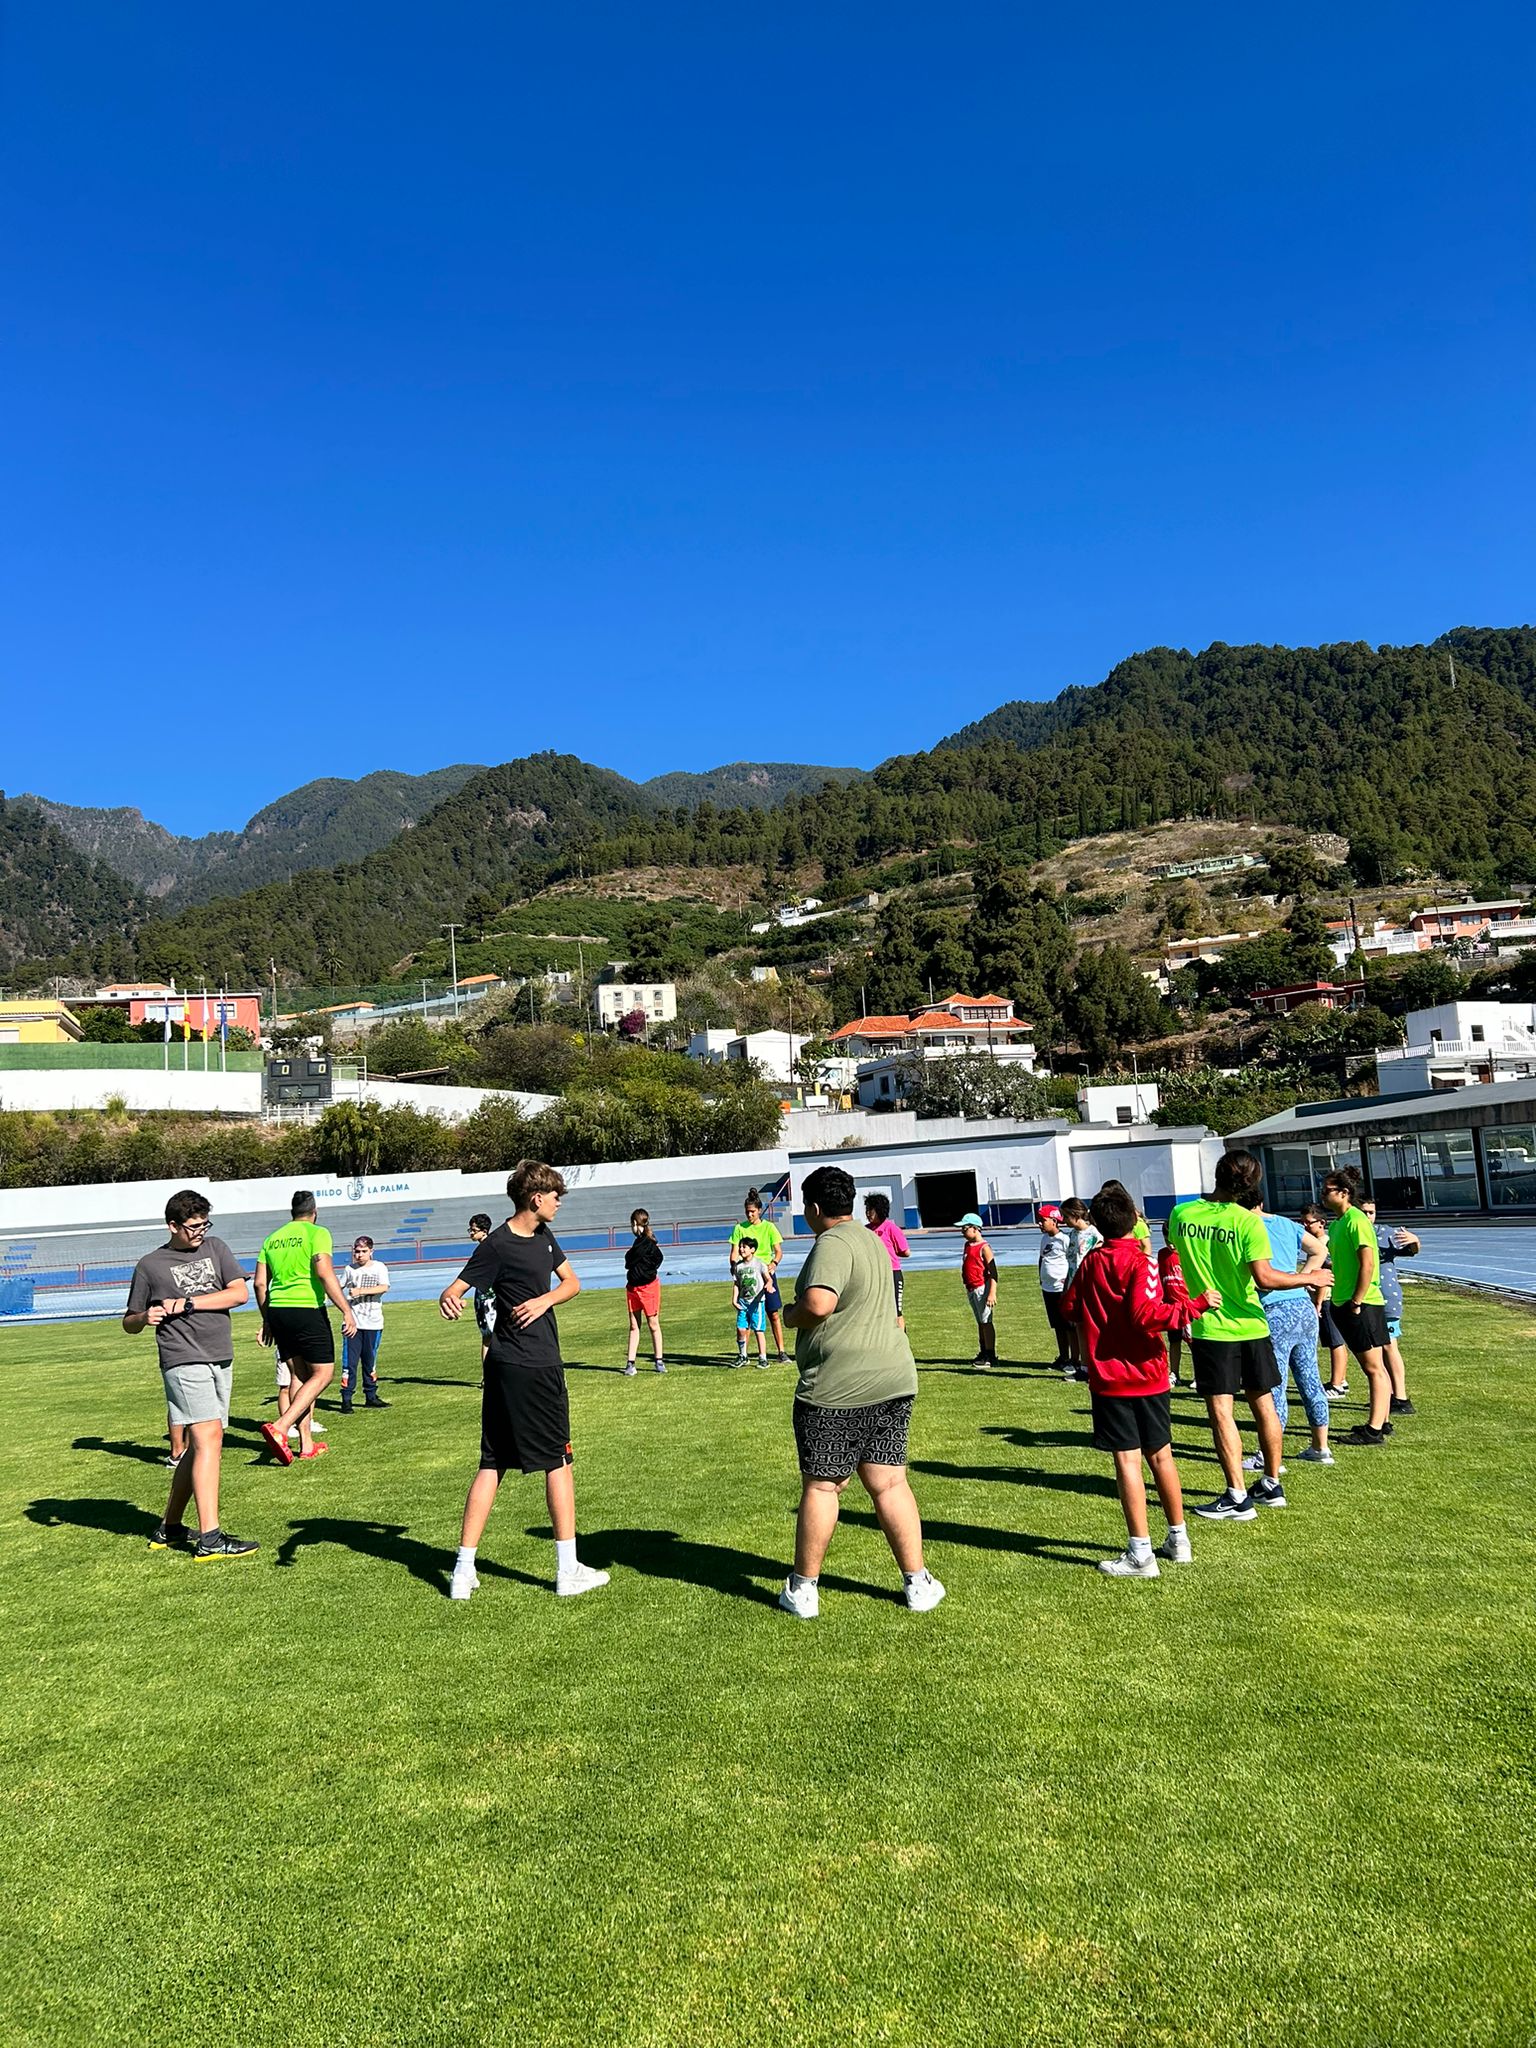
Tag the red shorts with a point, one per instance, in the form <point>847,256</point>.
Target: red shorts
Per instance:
<point>644,1301</point>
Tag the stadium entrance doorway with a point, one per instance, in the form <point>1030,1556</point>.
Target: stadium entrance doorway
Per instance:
<point>943,1198</point>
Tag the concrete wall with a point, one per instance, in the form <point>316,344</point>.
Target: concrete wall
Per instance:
<point>197,1093</point>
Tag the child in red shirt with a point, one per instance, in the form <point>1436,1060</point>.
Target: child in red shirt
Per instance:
<point>1116,1299</point>
<point>1171,1274</point>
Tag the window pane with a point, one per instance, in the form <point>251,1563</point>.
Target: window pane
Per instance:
<point>1450,1169</point>
<point>1509,1153</point>
<point>1396,1179</point>
<point>1289,1178</point>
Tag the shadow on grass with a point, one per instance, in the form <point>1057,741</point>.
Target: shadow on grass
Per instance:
<point>720,1361</point>
<point>1025,1439</point>
<point>107,1517</point>
<point>1020,1475</point>
<point>390,1543</point>
<point>148,1454</point>
<point>978,1536</point>
<point>717,1567</point>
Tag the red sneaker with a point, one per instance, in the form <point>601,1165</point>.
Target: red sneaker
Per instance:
<point>277,1442</point>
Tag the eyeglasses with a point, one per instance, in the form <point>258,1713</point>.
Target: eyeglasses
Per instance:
<point>197,1223</point>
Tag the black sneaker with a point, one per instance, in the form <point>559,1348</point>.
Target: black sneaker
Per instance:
<point>171,1536</point>
<point>1225,1509</point>
<point>218,1543</point>
<point>1402,1406</point>
<point>377,1401</point>
<point>1267,1493</point>
<point>1362,1433</point>
<point>346,1407</point>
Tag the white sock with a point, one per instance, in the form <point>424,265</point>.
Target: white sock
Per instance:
<point>912,1578</point>
<point>1177,1529</point>
<point>1141,1548</point>
<point>565,1553</point>
<point>798,1579</point>
<point>1237,1493</point>
<point>466,1555</point>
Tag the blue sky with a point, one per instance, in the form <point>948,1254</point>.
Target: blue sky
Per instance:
<point>386,386</point>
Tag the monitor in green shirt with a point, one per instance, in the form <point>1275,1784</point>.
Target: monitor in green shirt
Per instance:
<point>1346,1235</point>
<point>289,1255</point>
<point>770,1239</point>
<point>1217,1243</point>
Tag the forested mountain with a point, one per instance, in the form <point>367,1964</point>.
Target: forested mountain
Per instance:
<point>53,898</point>
<point>496,838</point>
<point>744,785</point>
<point>320,825</point>
<point>1376,744</point>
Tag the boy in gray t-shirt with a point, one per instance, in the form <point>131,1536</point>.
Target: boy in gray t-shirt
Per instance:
<point>184,1291</point>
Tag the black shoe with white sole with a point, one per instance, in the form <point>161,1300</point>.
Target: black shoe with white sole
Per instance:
<point>218,1543</point>
<point>1225,1509</point>
<point>1267,1493</point>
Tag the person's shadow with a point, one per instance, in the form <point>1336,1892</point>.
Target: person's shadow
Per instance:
<point>390,1543</point>
<point>985,1536</point>
<point>1024,1439</point>
<point>1020,1475</point>
<point>106,1517</point>
<point>148,1454</point>
<point>717,1567</point>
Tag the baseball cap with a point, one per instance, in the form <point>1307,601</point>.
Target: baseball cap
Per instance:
<point>1046,1209</point>
<point>970,1216</point>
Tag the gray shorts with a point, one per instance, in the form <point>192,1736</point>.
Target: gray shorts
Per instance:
<point>981,1308</point>
<point>197,1392</point>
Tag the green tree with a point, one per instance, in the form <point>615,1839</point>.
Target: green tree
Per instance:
<point>106,1025</point>
<point>1112,1004</point>
<point>349,1138</point>
<point>971,1085</point>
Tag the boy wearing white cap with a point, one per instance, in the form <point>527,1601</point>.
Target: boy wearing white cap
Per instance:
<point>978,1269</point>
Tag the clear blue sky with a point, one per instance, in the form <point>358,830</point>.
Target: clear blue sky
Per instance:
<point>389,385</point>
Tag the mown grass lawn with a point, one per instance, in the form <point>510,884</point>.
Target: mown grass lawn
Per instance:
<point>1282,1796</point>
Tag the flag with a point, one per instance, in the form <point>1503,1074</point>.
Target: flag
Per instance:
<point>166,1013</point>
<point>206,1026</point>
<point>186,1022</point>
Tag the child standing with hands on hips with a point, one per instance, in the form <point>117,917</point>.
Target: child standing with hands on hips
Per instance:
<point>642,1289</point>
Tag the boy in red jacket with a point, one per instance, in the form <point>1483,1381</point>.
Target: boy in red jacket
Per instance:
<point>1118,1303</point>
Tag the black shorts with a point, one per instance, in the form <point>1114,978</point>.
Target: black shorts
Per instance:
<point>1130,1422</point>
<point>1327,1328</point>
<point>898,1281</point>
<point>834,1442</point>
<point>1242,1364</point>
<point>525,1419</point>
<point>304,1334</point>
<point>1055,1315</point>
<point>1363,1328</point>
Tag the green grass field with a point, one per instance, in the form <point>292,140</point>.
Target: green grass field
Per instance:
<point>1282,1796</point>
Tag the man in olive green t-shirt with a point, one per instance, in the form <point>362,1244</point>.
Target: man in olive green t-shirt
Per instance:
<point>770,1249</point>
<point>853,1405</point>
<point>1223,1246</point>
<point>294,1279</point>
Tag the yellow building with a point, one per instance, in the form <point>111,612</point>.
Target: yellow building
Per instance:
<point>38,1021</point>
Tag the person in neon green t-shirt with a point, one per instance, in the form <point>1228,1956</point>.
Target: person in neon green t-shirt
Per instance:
<point>1358,1307</point>
<point>770,1249</point>
<point>295,1278</point>
<point>1223,1247</point>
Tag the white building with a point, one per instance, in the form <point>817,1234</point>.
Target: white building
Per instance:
<point>774,1053</point>
<point>933,1171</point>
<point>655,1000</point>
<point>1378,941</point>
<point>1117,1102</point>
<point>1455,1045</point>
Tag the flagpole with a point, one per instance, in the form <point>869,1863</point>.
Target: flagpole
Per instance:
<point>205,1027</point>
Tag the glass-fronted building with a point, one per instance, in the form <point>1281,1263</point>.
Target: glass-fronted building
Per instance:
<point>1453,1152</point>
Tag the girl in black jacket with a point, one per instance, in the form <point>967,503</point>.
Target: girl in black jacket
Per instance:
<point>642,1289</point>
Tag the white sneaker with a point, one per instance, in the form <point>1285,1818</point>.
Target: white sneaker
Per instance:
<point>803,1602</point>
<point>464,1581</point>
<point>924,1594</point>
<point>316,1429</point>
<point>581,1578</point>
<point>1254,1462</point>
<point>1127,1567</point>
<point>1314,1457</point>
<point>1175,1549</point>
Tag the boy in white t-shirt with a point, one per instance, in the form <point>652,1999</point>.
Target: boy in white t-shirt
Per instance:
<point>365,1283</point>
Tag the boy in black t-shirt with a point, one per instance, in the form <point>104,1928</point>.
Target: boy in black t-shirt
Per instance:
<point>525,1416</point>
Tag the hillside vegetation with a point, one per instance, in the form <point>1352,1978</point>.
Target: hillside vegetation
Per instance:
<point>1373,745</point>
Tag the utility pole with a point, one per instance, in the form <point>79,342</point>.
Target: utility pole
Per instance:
<point>272,964</point>
<point>453,931</point>
<point>423,995</point>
